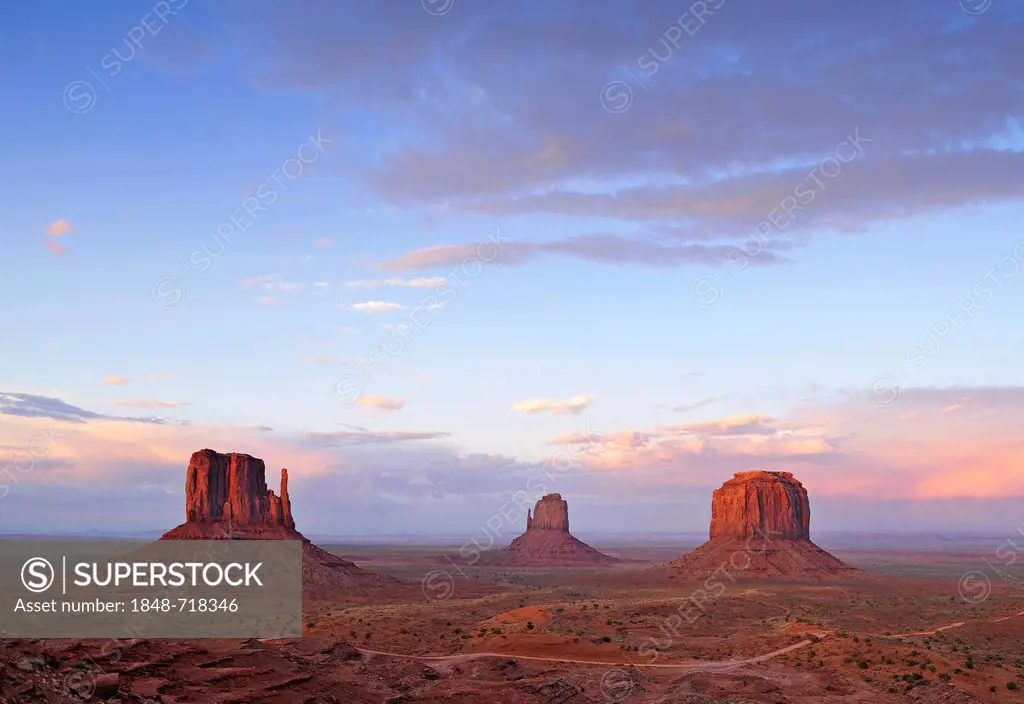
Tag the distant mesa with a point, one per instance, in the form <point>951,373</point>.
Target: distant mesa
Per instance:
<point>760,525</point>
<point>547,541</point>
<point>226,498</point>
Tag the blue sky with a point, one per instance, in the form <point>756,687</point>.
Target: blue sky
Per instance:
<point>426,134</point>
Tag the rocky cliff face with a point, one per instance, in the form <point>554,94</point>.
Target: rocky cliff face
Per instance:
<point>550,513</point>
<point>233,487</point>
<point>772,505</point>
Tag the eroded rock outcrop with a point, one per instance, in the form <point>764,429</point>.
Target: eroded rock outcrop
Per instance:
<point>760,526</point>
<point>226,498</point>
<point>768,504</point>
<point>550,513</point>
<point>547,541</point>
<point>233,487</point>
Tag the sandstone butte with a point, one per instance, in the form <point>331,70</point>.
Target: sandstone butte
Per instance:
<point>547,541</point>
<point>760,525</point>
<point>767,504</point>
<point>226,498</point>
<point>233,488</point>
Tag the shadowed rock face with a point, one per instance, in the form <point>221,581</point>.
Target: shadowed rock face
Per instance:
<point>550,513</point>
<point>233,488</point>
<point>772,505</point>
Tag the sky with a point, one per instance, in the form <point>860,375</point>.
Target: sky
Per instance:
<point>429,256</point>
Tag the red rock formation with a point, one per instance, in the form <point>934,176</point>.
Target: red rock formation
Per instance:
<point>760,526</point>
<point>551,513</point>
<point>281,506</point>
<point>233,488</point>
<point>226,498</point>
<point>547,541</point>
<point>761,504</point>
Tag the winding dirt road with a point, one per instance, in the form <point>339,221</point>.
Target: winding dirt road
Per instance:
<point>693,665</point>
<point>690,666</point>
<point>940,629</point>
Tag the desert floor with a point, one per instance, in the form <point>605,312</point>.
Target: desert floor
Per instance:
<point>908,628</point>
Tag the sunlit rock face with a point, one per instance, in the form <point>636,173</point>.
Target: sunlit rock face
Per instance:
<point>550,513</point>
<point>233,488</point>
<point>771,505</point>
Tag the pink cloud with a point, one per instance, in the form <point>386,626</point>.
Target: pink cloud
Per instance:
<point>554,406</point>
<point>254,281</point>
<point>55,248</point>
<point>59,228</point>
<point>919,449</point>
<point>142,403</point>
<point>437,255</point>
<point>104,451</point>
<point>381,403</point>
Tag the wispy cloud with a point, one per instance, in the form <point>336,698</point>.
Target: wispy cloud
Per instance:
<point>751,424</point>
<point>686,407</point>
<point>374,307</point>
<point>254,281</point>
<point>381,403</point>
<point>116,380</point>
<point>36,406</point>
<point>267,300</point>
<point>162,375</point>
<point>349,331</point>
<point>321,285</point>
<point>282,286</point>
<point>598,248</point>
<point>140,403</point>
<point>344,438</point>
<point>422,282</point>
<point>59,228</point>
<point>554,406</point>
<point>840,447</point>
<point>321,360</point>
<point>323,241</point>
<point>448,254</point>
<point>654,167</point>
<point>735,442</point>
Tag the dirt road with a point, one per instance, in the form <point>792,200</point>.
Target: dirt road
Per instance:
<point>692,666</point>
<point>940,629</point>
